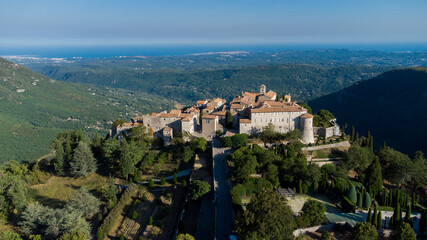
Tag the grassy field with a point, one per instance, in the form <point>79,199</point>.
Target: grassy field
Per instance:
<point>297,203</point>
<point>58,190</point>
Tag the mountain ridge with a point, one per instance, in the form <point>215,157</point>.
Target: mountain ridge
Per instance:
<point>392,106</point>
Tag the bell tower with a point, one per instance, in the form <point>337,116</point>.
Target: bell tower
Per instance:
<point>262,89</point>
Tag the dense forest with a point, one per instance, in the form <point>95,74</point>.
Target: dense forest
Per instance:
<point>302,81</point>
<point>393,106</point>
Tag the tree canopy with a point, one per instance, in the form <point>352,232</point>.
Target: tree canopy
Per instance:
<point>267,216</point>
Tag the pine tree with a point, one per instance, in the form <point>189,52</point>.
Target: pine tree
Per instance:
<point>368,218</point>
<point>371,143</point>
<point>162,181</point>
<point>83,162</point>
<point>59,157</point>
<point>373,177</point>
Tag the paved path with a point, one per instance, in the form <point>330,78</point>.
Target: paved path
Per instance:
<point>224,215</point>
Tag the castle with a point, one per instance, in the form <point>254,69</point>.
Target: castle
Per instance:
<point>251,112</point>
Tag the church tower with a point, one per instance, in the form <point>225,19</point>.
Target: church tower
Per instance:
<point>262,89</point>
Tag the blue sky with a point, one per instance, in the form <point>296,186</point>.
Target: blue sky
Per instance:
<point>76,22</point>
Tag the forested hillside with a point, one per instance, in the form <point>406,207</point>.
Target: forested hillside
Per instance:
<point>34,108</point>
<point>302,81</point>
<point>393,106</point>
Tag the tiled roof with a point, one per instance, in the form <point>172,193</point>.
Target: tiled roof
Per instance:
<point>307,115</point>
<point>208,116</point>
<point>270,94</point>
<point>244,120</point>
<point>175,111</point>
<point>201,102</point>
<point>219,113</point>
<point>167,128</point>
<point>235,105</point>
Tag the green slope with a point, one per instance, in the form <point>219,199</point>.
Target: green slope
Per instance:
<point>393,106</point>
<point>30,119</point>
<point>302,81</point>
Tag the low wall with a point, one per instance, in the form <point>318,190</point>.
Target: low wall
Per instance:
<point>320,228</point>
<point>332,145</point>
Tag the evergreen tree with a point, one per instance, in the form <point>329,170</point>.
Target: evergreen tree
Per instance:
<point>356,139</point>
<point>184,183</point>
<point>380,220</point>
<point>150,183</point>
<point>373,177</point>
<point>59,157</point>
<point>367,200</point>
<point>374,217</point>
<point>300,186</point>
<point>408,214</point>
<point>83,162</point>
<point>150,221</point>
<point>175,178</point>
<point>126,161</point>
<point>352,195</point>
<point>228,120</point>
<point>352,134</point>
<point>162,181</point>
<point>369,218</point>
<point>405,232</point>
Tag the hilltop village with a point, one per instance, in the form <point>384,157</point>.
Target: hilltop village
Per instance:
<point>250,113</point>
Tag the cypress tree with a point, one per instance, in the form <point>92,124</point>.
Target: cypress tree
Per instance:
<point>408,214</point>
<point>384,145</point>
<point>397,216</point>
<point>352,195</point>
<point>175,178</point>
<point>184,183</point>
<point>228,120</point>
<point>379,220</point>
<point>356,140</point>
<point>352,134</point>
<point>300,186</point>
<point>359,199</point>
<point>367,200</point>
<point>374,217</point>
<point>390,199</point>
<point>371,143</point>
<point>413,199</point>
<point>368,218</point>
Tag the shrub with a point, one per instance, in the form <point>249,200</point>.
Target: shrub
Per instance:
<point>365,231</point>
<point>184,183</point>
<point>111,218</point>
<point>150,183</point>
<point>150,221</point>
<point>367,201</point>
<point>122,237</point>
<point>163,181</point>
<point>134,214</point>
<point>175,178</point>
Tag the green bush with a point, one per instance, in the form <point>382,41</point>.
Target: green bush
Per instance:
<point>163,181</point>
<point>114,214</point>
<point>367,201</point>
<point>134,214</point>
<point>150,221</point>
<point>150,183</point>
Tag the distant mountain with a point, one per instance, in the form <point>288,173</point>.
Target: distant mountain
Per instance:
<point>393,106</point>
<point>186,86</point>
<point>33,108</point>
